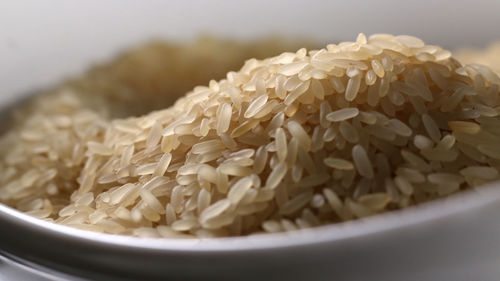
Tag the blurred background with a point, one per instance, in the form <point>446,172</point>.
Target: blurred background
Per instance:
<point>42,42</point>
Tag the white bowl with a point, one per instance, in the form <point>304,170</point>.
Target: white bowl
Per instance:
<point>457,238</point>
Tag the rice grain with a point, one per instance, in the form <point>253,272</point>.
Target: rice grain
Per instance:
<point>303,139</point>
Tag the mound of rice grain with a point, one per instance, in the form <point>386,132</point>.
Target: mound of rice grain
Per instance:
<point>154,75</point>
<point>293,141</point>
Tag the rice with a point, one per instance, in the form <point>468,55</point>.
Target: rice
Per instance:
<point>297,131</point>
<point>338,163</point>
<point>214,210</point>
<point>281,144</point>
<point>353,87</point>
<point>342,114</point>
<point>362,162</point>
<point>288,142</point>
<point>464,126</point>
<point>404,185</point>
<point>239,189</point>
<point>276,176</point>
<point>431,127</point>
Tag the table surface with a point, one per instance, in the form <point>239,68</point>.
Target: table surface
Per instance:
<point>13,271</point>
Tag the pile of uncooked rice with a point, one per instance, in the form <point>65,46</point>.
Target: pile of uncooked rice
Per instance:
<point>289,142</point>
<point>154,75</point>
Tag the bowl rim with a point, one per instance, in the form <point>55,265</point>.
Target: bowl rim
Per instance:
<point>427,212</point>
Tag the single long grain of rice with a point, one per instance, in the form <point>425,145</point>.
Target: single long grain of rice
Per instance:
<point>342,114</point>
<point>288,142</point>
